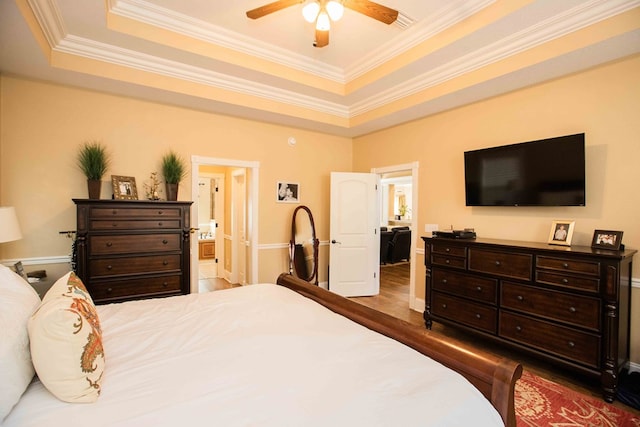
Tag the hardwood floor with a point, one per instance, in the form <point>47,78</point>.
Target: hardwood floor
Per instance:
<point>394,300</point>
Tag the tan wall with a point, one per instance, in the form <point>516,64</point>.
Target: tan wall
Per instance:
<point>44,124</point>
<point>604,103</point>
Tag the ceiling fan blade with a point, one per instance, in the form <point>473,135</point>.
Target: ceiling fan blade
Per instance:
<point>261,11</point>
<point>322,38</point>
<point>373,10</point>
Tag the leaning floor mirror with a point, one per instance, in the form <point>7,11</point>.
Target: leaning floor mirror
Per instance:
<point>303,246</point>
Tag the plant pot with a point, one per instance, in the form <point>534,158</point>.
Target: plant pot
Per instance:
<point>172,192</point>
<point>94,188</point>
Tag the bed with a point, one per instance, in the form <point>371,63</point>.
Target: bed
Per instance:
<point>285,354</point>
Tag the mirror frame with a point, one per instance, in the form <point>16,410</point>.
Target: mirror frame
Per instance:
<point>313,275</point>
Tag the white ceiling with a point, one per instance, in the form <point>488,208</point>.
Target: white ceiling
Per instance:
<point>207,55</point>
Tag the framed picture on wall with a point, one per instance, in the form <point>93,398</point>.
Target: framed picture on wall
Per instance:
<point>124,187</point>
<point>606,239</point>
<point>561,232</point>
<point>287,192</point>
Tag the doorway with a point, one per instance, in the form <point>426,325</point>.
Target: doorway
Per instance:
<point>240,204</point>
<point>399,208</point>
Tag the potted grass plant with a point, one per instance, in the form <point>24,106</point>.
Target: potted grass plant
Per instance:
<point>93,160</point>
<point>173,170</point>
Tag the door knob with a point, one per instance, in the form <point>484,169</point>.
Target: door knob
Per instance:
<point>335,241</point>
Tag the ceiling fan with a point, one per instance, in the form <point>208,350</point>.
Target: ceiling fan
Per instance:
<point>322,12</point>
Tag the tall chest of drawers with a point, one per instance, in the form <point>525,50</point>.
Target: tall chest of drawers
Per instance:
<point>133,249</point>
<point>568,305</point>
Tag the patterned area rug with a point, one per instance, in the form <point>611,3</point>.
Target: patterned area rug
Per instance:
<point>540,402</point>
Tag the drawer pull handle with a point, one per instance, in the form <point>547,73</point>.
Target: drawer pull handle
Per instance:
<point>165,241</point>
<point>519,328</point>
<point>109,290</point>
<point>165,262</point>
<point>159,224</point>
<point>115,224</point>
<point>498,263</point>
<point>109,244</point>
<point>478,316</point>
<point>479,288</point>
<point>565,265</point>
<point>114,212</point>
<point>571,344</point>
<point>565,281</point>
<point>159,212</point>
<point>165,284</point>
<point>447,250</point>
<point>444,305</point>
<point>444,281</point>
<point>520,298</point>
<point>447,261</point>
<point>109,267</point>
<point>572,309</point>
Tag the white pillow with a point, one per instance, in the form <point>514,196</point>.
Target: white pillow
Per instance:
<point>66,342</point>
<point>18,301</point>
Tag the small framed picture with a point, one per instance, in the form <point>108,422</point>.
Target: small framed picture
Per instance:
<point>287,192</point>
<point>124,187</point>
<point>561,232</point>
<point>607,239</point>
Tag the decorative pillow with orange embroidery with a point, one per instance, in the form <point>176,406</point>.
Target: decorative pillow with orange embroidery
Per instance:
<point>66,342</point>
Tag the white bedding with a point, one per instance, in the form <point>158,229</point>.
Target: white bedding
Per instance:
<point>259,355</point>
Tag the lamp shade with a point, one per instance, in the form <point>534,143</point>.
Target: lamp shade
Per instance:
<point>9,228</point>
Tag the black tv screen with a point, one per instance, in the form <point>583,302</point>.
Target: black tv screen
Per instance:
<point>548,172</point>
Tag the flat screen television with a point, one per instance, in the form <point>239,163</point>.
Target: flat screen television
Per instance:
<point>548,172</point>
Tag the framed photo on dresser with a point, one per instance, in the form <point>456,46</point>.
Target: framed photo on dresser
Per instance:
<point>607,239</point>
<point>124,187</point>
<point>561,232</point>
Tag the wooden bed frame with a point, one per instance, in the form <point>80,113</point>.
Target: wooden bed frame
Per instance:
<point>494,376</point>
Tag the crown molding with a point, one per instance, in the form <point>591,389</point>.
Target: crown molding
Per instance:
<point>147,13</point>
<point>52,24</point>
<point>92,49</point>
<point>581,16</point>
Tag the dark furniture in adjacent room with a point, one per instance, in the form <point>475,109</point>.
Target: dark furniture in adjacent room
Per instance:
<point>568,305</point>
<point>400,245</point>
<point>133,249</point>
<point>385,238</point>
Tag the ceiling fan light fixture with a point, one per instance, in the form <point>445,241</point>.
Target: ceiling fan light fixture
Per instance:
<point>335,10</point>
<point>323,23</point>
<point>310,11</point>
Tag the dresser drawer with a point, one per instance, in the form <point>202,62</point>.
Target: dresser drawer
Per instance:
<point>565,342</point>
<point>452,250</point>
<point>564,307</point>
<point>134,243</point>
<point>573,282</point>
<point>134,212</point>
<point>476,288</point>
<point>449,261</point>
<point>468,313</point>
<point>119,224</point>
<point>513,265</point>
<point>570,266</point>
<point>135,288</point>
<point>133,265</point>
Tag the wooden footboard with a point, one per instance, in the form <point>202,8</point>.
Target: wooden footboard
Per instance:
<point>494,376</point>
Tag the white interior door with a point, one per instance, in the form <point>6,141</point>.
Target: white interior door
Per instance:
<point>354,254</point>
<point>239,214</point>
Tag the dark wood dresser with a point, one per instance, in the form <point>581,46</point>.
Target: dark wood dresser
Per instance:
<point>133,249</point>
<point>568,305</point>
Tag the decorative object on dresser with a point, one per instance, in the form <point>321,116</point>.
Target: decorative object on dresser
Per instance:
<point>173,170</point>
<point>570,306</point>
<point>133,249</point>
<point>607,239</point>
<point>93,161</point>
<point>561,232</point>
<point>124,187</point>
<point>152,188</point>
